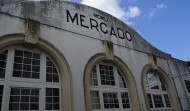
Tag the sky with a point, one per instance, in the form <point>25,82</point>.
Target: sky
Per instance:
<point>163,23</point>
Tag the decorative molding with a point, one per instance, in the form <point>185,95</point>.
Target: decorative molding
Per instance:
<point>152,59</point>
<point>32,29</point>
<point>108,49</point>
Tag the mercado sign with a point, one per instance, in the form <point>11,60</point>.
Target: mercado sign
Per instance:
<point>80,20</point>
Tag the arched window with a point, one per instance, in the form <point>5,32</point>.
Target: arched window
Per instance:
<point>156,92</point>
<point>29,80</point>
<point>108,88</point>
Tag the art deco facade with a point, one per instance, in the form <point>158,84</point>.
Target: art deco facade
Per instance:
<point>65,56</point>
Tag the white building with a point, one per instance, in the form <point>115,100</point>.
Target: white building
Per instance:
<point>65,56</point>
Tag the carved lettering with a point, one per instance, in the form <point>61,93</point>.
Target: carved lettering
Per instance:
<point>93,25</point>
<point>72,19</point>
<point>101,27</point>
<point>82,18</point>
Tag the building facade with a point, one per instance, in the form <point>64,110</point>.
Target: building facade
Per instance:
<point>63,56</point>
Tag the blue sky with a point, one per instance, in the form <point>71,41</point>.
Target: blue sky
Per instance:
<point>163,23</point>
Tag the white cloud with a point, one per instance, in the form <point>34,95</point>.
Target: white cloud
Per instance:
<point>133,12</point>
<point>112,7</point>
<point>161,6</point>
<point>151,13</point>
<point>153,10</point>
<point>109,6</point>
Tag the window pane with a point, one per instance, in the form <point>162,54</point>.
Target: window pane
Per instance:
<point>2,64</point>
<point>14,106</point>
<point>162,85</point>
<point>24,99</point>
<point>122,83</point>
<point>3,61</point>
<point>93,77</point>
<point>106,75</point>
<point>25,63</point>
<point>2,73</point>
<point>167,101</point>
<point>34,106</point>
<point>158,101</point>
<point>95,100</point>
<point>24,106</point>
<point>187,83</point>
<point>150,101</point>
<point>36,55</point>
<point>152,81</point>
<point>19,53</point>
<point>51,72</point>
<point>110,100</point>
<point>1,95</point>
<point>52,98</point>
<point>125,100</point>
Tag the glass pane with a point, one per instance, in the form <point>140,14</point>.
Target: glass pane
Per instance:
<point>14,106</point>
<point>36,55</point>
<point>24,99</point>
<point>110,100</point>
<point>150,100</point>
<point>51,72</point>
<point>146,83</point>
<point>158,101</point>
<point>93,77</point>
<point>52,98</point>
<point>122,83</point>
<point>167,101</point>
<point>56,106</point>
<point>26,74</point>
<point>3,61</point>
<point>162,85</point>
<point>106,75</point>
<point>18,67</point>
<point>24,106</point>
<point>95,100</point>
<point>187,83</point>
<point>35,62</point>
<point>18,53</point>
<point>35,75</point>
<point>15,99</point>
<point>2,64</point>
<point>152,81</point>
<point>25,92</point>
<point>25,63</point>
<point>27,54</point>
<point>34,106</point>
<point>125,100</point>
<point>1,95</point>
<point>35,92</point>
<point>2,73</point>
<point>17,73</point>
<point>49,107</point>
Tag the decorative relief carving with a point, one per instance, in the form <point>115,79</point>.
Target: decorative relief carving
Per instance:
<point>152,59</point>
<point>108,49</point>
<point>32,29</point>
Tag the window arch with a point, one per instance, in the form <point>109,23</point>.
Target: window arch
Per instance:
<point>156,91</point>
<point>108,88</point>
<point>30,79</point>
<point>109,85</point>
<point>58,58</point>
